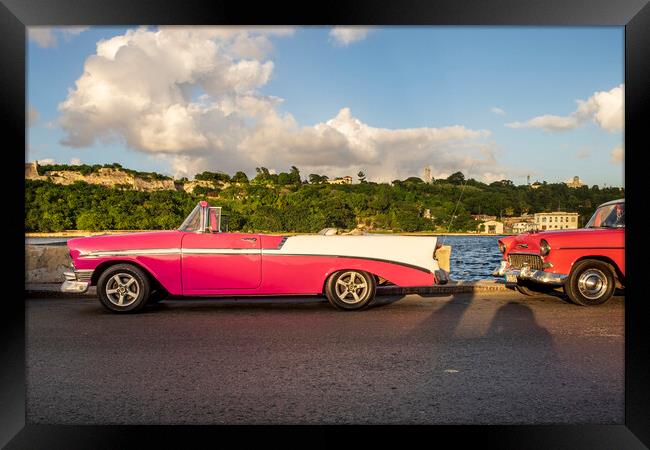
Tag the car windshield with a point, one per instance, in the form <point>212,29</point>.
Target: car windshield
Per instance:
<point>608,216</point>
<point>193,221</point>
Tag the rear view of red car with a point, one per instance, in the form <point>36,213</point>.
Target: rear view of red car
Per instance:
<point>589,263</point>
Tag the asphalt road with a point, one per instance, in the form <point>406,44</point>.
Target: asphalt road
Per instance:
<point>491,358</point>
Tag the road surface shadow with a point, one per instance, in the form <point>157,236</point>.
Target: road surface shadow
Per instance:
<point>527,380</point>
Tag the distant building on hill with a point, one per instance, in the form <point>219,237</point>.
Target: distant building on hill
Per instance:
<point>576,183</point>
<point>427,174</point>
<point>483,217</point>
<point>522,227</point>
<point>341,180</point>
<point>556,220</point>
<point>518,224</point>
<point>490,227</point>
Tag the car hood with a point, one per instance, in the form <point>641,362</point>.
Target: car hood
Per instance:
<point>565,233</point>
<point>580,237</point>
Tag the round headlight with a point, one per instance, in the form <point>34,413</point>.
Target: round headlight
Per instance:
<point>502,247</point>
<point>544,247</point>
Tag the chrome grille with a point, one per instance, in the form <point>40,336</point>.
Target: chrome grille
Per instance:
<point>518,260</point>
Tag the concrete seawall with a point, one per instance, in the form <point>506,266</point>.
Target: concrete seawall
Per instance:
<point>46,263</point>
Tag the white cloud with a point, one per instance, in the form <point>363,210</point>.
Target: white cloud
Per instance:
<point>190,96</point>
<point>549,123</point>
<point>344,36</point>
<point>48,37</point>
<point>32,116</point>
<point>498,111</point>
<point>617,155</point>
<point>70,32</point>
<point>605,108</point>
<point>75,161</point>
<point>43,36</point>
<point>46,161</point>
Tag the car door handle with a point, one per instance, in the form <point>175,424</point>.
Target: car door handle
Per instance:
<point>249,239</point>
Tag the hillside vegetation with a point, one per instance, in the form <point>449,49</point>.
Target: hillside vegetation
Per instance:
<point>286,202</point>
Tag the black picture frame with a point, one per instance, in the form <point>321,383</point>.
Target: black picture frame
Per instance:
<point>16,15</point>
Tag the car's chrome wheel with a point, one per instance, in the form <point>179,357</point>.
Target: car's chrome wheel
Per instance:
<point>351,288</point>
<point>122,289</point>
<point>592,283</point>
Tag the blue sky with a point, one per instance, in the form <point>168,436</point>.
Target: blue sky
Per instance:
<point>488,82</point>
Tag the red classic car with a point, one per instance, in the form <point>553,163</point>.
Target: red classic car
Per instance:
<point>589,263</point>
<point>199,259</point>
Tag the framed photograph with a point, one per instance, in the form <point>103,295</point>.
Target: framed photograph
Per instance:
<point>379,214</point>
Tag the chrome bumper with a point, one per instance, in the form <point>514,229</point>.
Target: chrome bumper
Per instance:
<point>526,273</point>
<point>77,281</point>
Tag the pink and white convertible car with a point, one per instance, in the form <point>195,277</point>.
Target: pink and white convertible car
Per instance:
<point>198,259</point>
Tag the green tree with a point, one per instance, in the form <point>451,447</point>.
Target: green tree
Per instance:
<point>294,175</point>
<point>240,177</point>
<point>456,178</point>
<point>317,179</point>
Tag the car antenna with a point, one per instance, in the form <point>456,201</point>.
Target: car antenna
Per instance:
<point>458,202</point>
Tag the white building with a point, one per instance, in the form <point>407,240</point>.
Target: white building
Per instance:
<point>576,183</point>
<point>341,180</point>
<point>522,227</point>
<point>427,174</point>
<point>557,220</point>
<point>490,227</point>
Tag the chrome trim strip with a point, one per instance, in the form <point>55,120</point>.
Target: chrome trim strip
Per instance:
<point>172,251</point>
<point>137,252</point>
<point>221,251</point>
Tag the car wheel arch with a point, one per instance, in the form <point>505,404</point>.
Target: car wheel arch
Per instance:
<point>618,275</point>
<point>104,266</point>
